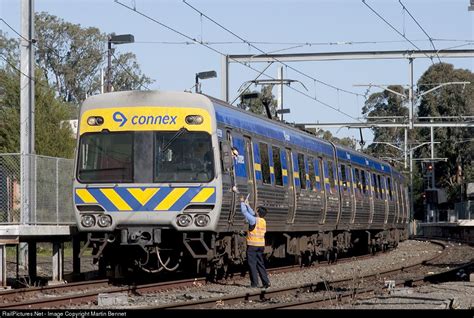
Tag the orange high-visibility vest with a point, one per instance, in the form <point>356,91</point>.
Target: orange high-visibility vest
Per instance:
<point>256,237</point>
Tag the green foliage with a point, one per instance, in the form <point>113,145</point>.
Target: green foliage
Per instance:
<point>71,58</point>
<point>256,105</point>
<point>386,104</point>
<point>456,143</point>
<point>51,138</point>
<point>326,135</point>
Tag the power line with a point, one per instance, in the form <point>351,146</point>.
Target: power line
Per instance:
<point>297,44</point>
<point>265,53</point>
<point>222,54</point>
<point>390,25</point>
<point>19,71</point>
<point>429,37</point>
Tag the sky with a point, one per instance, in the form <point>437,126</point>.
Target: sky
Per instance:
<point>275,26</point>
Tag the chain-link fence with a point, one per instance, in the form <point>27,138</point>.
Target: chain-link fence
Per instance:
<point>50,190</point>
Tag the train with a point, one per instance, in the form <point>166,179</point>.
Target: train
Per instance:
<point>158,177</point>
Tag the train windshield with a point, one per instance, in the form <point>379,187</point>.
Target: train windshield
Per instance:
<point>183,156</point>
<point>178,156</point>
<point>106,157</point>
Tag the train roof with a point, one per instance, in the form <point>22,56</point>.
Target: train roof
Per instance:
<point>342,152</point>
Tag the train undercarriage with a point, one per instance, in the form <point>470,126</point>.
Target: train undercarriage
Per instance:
<point>154,250</point>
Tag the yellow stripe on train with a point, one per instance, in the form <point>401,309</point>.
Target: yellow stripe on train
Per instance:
<point>143,196</point>
<point>116,199</point>
<point>171,199</point>
<point>146,118</point>
<point>203,195</point>
<point>85,196</point>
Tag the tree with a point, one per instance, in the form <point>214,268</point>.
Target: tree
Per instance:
<point>456,144</point>
<point>386,104</point>
<point>71,58</point>
<point>327,135</point>
<point>51,138</point>
<point>256,105</point>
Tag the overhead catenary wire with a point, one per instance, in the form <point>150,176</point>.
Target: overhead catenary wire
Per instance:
<point>265,53</point>
<point>419,25</point>
<point>395,29</point>
<point>221,53</point>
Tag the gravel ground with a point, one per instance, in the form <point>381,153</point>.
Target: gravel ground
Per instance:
<point>455,294</point>
<point>451,295</point>
<point>407,253</point>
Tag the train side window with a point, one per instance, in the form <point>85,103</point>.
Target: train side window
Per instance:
<point>380,179</point>
<point>277,166</point>
<point>265,163</point>
<point>331,174</point>
<point>389,185</point>
<point>374,184</point>
<point>318,168</point>
<point>302,171</point>
<point>344,176</point>
<point>357,179</point>
<point>312,176</point>
<point>364,181</point>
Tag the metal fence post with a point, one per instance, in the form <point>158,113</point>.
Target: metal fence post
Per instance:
<point>57,191</point>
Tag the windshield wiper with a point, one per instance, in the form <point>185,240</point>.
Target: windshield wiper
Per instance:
<point>178,134</point>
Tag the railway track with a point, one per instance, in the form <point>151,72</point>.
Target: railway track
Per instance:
<point>321,294</point>
<point>75,294</point>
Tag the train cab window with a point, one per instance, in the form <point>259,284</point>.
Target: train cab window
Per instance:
<point>332,182</point>
<point>389,186</point>
<point>265,163</point>
<point>344,176</point>
<point>312,175</point>
<point>277,166</point>
<point>106,157</point>
<point>302,170</point>
<point>183,156</point>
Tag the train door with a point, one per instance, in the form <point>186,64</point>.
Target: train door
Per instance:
<point>291,188</point>
<point>322,177</point>
<point>397,200</point>
<point>252,186</point>
<point>385,194</point>
<point>234,199</point>
<point>371,196</point>
<point>352,190</point>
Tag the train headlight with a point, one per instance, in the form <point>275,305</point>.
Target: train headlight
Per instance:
<point>194,119</point>
<point>95,121</point>
<point>184,220</point>
<point>104,220</point>
<point>88,220</point>
<point>201,220</point>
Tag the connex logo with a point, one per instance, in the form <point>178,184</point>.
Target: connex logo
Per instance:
<point>145,120</point>
<point>120,118</point>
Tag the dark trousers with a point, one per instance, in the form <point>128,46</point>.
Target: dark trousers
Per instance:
<point>256,266</point>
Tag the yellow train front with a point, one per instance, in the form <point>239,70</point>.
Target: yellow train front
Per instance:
<point>146,168</point>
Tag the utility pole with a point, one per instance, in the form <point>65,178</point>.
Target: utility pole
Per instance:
<point>27,117</point>
<point>280,91</point>
<point>109,66</point>
<point>115,39</point>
